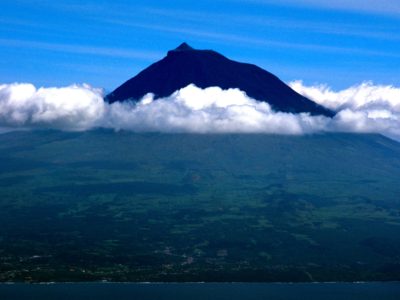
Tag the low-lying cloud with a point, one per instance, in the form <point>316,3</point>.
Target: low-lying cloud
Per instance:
<point>76,107</point>
<point>210,110</point>
<point>362,108</point>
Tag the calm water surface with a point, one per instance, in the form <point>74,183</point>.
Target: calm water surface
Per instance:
<point>193,291</point>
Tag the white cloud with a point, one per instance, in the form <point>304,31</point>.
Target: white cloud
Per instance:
<point>363,108</point>
<point>192,109</point>
<point>71,108</point>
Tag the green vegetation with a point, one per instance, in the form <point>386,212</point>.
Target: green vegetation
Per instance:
<point>122,206</point>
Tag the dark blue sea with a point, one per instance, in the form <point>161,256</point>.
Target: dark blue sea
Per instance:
<point>193,291</point>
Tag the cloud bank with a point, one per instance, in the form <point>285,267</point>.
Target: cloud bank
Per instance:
<point>362,108</point>
<point>77,107</point>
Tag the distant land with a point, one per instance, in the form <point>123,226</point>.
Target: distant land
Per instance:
<point>206,68</point>
<point>123,206</point>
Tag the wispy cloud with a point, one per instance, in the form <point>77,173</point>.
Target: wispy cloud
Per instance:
<point>387,7</point>
<point>228,38</point>
<point>79,49</point>
<point>371,31</point>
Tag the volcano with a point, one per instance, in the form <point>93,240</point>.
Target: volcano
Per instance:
<point>206,68</point>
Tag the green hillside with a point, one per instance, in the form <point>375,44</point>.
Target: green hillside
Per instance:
<point>123,206</point>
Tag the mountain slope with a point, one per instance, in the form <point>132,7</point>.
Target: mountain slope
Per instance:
<point>206,68</point>
<point>182,207</point>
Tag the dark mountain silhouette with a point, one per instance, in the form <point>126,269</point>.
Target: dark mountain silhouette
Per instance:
<point>205,68</point>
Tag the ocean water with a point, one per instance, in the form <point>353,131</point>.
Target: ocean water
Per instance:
<point>194,291</point>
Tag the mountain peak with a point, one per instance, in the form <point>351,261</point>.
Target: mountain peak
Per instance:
<point>183,47</point>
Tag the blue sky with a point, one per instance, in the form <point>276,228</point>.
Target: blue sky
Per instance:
<point>104,42</point>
